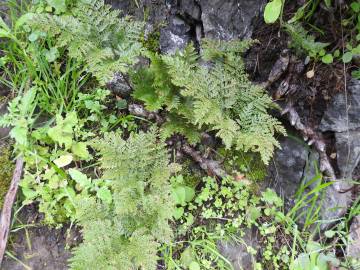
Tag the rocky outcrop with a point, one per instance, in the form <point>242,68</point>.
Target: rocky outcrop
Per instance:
<point>295,164</point>
<point>229,19</point>
<point>353,248</point>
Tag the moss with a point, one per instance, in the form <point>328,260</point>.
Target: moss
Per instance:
<point>6,171</point>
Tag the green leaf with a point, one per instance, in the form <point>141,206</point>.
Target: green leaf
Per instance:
<point>5,34</point>
<point>29,193</point>
<point>52,54</point>
<point>62,133</point>
<point>347,57</point>
<point>80,149</point>
<point>327,59</point>
<point>330,234</point>
<point>187,257</point>
<point>355,7</point>
<point>189,194</point>
<point>80,178</point>
<point>272,11</point>
<point>19,132</point>
<point>4,26</point>
<point>179,195</point>
<point>328,3</point>
<point>27,101</point>
<point>104,194</point>
<point>194,266</point>
<point>270,197</point>
<point>63,161</point>
<point>24,19</point>
<point>178,212</point>
<point>59,5</point>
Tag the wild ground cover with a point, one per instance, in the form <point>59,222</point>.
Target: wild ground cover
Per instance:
<point>157,160</point>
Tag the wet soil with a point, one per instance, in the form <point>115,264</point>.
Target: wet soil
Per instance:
<point>38,247</point>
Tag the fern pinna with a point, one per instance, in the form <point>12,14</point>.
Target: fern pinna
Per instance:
<point>126,234</point>
<point>94,33</point>
<point>215,95</point>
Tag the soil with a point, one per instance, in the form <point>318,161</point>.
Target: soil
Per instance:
<point>38,247</point>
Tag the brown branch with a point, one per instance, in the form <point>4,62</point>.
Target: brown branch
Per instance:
<point>5,218</point>
<point>313,138</point>
<point>310,136</point>
<point>212,167</point>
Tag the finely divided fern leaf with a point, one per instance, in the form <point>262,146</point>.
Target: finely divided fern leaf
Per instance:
<point>96,35</point>
<point>126,235</point>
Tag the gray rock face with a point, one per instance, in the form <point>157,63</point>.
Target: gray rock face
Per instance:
<point>348,151</point>
<point>353,249</point>
<point>294,164</point>
<point>237,254</point>
<point>343,118</point>
<point>344,111</point>
<point>175,36</point>
<point>288,167</point>
<point>229,19</point>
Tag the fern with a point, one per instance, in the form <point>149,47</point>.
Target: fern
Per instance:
<point>126,235</point>
<point>216,96</point>
<point>94,34</point>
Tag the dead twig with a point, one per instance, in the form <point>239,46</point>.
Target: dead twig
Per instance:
<point>212,167</point>
<point>8,204</point>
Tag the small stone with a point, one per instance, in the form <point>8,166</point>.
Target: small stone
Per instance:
<point>310,74</point>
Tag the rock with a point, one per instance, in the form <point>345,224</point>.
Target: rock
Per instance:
<point>237,253</point>
<point>119,85</point>
<point>297,164</point>
<point>343,112</point>
<point>353,248</point>
<point>348,152</point>
<point>287,169</point>
<point>229,19</point>
<point>175,36</point>
<point>190,9</point>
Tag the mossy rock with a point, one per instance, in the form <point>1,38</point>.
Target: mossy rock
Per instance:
<point>6,171</point>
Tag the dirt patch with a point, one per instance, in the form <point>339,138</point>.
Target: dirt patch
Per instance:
<point>38,247</point>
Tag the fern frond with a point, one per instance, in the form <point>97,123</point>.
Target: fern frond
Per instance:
<point>94,34</point>
<point>126,235</point>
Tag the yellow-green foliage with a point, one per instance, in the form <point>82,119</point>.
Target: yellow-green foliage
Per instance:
<point>126,234</point>
<point>6,171</point>
<point>93,33</point>
<point>218,97</point>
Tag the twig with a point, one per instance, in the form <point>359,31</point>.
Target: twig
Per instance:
<point>312,138</point>
<point>5,218</point>
<point>309,135</point>
<point>212,167</point>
